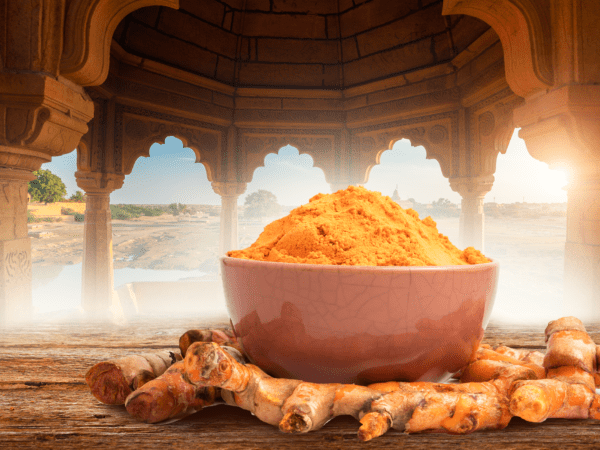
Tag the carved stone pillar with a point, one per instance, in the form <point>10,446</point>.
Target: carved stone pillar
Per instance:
<point>40,117</point>
<point>471,228</point>
<point>562,128</point>
<point>15,246</point>
<point>582,247</point>
<point>97,271</point>
<point>229,192</point>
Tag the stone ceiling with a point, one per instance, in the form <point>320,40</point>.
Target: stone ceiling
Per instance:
<point>298,43</point>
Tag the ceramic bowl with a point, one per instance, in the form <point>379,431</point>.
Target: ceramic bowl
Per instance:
<point>358,324</point>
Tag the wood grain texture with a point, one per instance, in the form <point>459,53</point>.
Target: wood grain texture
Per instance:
<point>45,403</point>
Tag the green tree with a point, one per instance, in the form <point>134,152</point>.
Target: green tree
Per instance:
<point>261,204</point>
<point>78,196</point>
<point>176,208</point>
<point>47,187</point>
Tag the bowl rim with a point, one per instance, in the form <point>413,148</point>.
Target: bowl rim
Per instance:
<point>230,260</point>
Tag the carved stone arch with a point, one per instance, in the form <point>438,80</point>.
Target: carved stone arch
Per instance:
<point>524,29</point>
<point>139,135</point>
<point>89,27</point>
<point>255,145</point>
<point>437,134</point>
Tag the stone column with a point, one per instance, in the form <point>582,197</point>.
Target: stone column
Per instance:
<point>339,186</point>
<point>97,271</point>
<point>582,247</point>
<point>15,246</point>
<point>471,227</point>
<point>229,192</point>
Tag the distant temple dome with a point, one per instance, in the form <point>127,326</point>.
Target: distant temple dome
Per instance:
<point>403,203</point>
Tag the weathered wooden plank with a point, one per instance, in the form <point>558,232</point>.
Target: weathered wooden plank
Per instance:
<point>66,415</point>
<point>531,336</point>
<point>62,365</point>
<point>44,402</point>
<point>137,334</point>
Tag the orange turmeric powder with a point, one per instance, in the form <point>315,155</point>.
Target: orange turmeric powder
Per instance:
<point>358,227</point>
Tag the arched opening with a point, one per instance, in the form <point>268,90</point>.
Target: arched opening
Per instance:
<point>419,183</point>
<point>526,230</point>
<point>170,244</point>
<point>291,177</point>
<point>165,228</point>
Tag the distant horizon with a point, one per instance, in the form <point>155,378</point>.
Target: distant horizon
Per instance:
<point>239,206</point>
<point>169,175</point>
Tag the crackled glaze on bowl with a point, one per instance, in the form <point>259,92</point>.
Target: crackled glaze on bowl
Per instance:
<point>358,324</point>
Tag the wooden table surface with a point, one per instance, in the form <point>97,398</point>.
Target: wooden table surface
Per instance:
<point>45,403</point>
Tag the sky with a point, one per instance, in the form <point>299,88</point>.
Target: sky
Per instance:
<point>170,175</point>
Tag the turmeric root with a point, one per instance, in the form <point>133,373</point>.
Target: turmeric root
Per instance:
<point>297,406</point>
<point>422,406</point>
<point>569,390</point>
<point>504,373</point>
<point>568,344</point>
<point>492,355</point>
<point>221,336</point>
<point>112,381</point>
<point>538,400</point>
<point>522,354</point>
<point>171,396</point>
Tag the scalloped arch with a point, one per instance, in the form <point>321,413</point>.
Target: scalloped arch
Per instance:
<point>143,150</point>
<point>428,155</point>
<point>89,26</point>
<point>270,152</point>
<point>256,149</point>
<point>434,138</point>
<point>523,27</point>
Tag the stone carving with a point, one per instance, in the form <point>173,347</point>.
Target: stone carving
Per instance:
<point>137,130</point>
<point>41,117</point>
<point>17,266</point>
<point>491,128</point>
<point>228,189</point>
<point>437,134</point>
<point>486,123</point>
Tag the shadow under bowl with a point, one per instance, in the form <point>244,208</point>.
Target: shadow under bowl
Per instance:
<point>358,324</point>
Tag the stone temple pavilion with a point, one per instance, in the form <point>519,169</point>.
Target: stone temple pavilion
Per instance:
<point>341,80</point>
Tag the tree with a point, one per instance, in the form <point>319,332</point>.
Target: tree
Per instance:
<point>78,196</point>
<point>445,208</point>
<point>47,187</point>
<point>261,204</point>
<point>177,208</point>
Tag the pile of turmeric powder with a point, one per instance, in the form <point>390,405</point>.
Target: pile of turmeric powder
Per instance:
<point>356,227</point>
